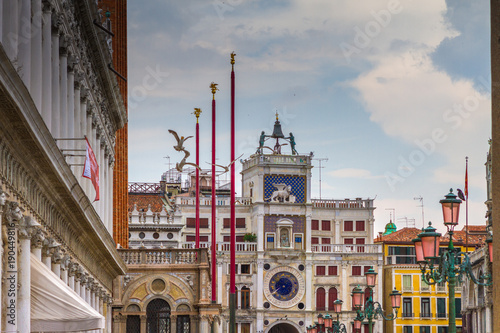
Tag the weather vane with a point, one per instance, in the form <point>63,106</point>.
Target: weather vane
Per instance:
<point>214,88</point>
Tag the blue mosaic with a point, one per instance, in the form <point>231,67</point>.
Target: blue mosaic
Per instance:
<point>297,184</point>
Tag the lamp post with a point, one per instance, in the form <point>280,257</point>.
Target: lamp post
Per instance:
<point>372,310</point>
<point>451,264</point>
<point>326,324</point>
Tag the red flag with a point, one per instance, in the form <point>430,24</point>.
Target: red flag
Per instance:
<point>91,169</point>
<point>466,189</point>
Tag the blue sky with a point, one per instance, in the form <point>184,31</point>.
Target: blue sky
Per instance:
<point>394,93</point>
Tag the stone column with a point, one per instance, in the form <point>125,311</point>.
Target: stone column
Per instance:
<point>36,53</point>
<point>56,261</point>
<point>88,290</point>
<point>37,243</point>
<point>260,284</point>
<point>337,231</point>
<point>83,284</point>
<point>24,42</point>
<point>261,235</point>
<point>10,27</point>
<point>65,262</point>
<point>488,316</point>
<point>47,250</point>
<point>370,230</point>
<point>307,236</point>
<point>55,103</point>
<point>63,98</point>
<point>344,284</point>
<point>72,269</point>
<point>26,229</point>
<point>71,100</point>
<point>144,322</point>
<point>173,323</point>
<point>108,316</point>
<point>97,151</point>
<point>47,64</point>
<point>309,281</point>
<point>103,179</point>
<point>195,323</point>
<point>120,323</point>
<point>204,326</point>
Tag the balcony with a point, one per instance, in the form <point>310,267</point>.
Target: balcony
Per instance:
<point>407,315</point>
<point>425,315</point>
<point>224,246</point>
<point>162,256</point>
<point>401,259</point>
<point>347,249</point>
<point>346,203</point>
<point>222,201</point>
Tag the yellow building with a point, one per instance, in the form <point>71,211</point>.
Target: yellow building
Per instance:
<point>424,308</point>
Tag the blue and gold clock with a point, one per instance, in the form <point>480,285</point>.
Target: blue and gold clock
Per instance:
<point>284,286</point>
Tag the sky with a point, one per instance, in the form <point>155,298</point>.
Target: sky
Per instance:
<point>395,94</point>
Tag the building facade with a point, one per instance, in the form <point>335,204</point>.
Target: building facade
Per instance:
<point>424,308</point>
<point>321,247</point>
<point>57,93</point>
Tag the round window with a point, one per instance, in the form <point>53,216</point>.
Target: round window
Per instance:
<point>267,266</point>
<point>301,306</point>
<point>267,305</point>
<point>301,267</point>
<point>156,235</point>
<point>142,235</point>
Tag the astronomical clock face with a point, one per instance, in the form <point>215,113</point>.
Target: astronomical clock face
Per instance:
<point>284,286</point>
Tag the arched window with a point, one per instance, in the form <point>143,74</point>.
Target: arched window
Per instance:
<point>245,298</point>
<point>158,316</point>
<point>332,297</point>
<point>320,299</point>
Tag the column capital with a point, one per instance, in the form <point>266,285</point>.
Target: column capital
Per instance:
<point>47,6</point>
<point>13,213</point>
<point>90,282</point>
<point>57,255</point>
<point>56,23</point>
<point>49,245</point>
<point>3,200</point>
<point>37,238</point>
<point>120,318</point>
<point>73,269</point>
<point>83,279</point>
<point>65,262</point>
<point>27,226</point>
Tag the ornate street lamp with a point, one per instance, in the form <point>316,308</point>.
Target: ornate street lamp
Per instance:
<point>451,263</point>
<point>372,310</point>
<point>326,324</point>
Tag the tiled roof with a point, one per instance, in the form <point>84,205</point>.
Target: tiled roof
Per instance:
<point>475,228</point>
<point>404,235</point>
<point>460,237</point>
<point>143,200</point>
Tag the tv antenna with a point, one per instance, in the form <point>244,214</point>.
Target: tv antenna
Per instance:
<point>320,159</point>
<point>421,199</point>
<point>393,216</point>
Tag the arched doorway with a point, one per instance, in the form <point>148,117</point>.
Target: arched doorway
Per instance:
<point>283,328</point>
<point>158,316</point>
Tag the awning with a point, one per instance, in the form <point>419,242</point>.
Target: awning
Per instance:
<point>55,307</point>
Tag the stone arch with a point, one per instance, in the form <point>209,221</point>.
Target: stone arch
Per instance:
<point>286,326</point>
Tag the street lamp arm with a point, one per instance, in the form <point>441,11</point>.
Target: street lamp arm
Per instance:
<point>466,268</point>
<point>377,308</point>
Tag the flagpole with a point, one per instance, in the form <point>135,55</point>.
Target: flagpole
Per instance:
<point>232,284</point>
<point>466,204</point>
<point>197,112</point>
<point>213,87</point>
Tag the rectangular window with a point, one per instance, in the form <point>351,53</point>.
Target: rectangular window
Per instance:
<point>240,239</point>
<point>320,270</point>
<point>325,240</point>
<point>332,270</point>
<point>315,224</point>
<point>441,307</point>
<point>227,223</point>
<point>240,222</point>
<point>356,271</point>
<point>203,223</point>
<point>442,329</point>
<point>270,241</point>
<point>190,238</point>
<point>424,286</point>
<point>407,283</point>
<point>407,307</point>
<point>245,268</point>
<point>360,249</point>
<point>203,238</point>
<point>314,240</point>
<point>425,307</point>
<point>365,269</point>
<point>191,222</point>
<point>245,327</point>
<point>348,226</point>
<point>425,329</point>
<point>360,225</point>
<point>407,329</point>
<point>227,239</point>
<point>458,307</point>
<point>348,240</point>
<point>298,241</point>
<point>326,225</point>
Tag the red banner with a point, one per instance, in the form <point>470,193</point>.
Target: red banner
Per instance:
<point>91,169</point>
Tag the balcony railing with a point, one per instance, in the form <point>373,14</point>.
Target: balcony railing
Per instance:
<point>425,315</point>
<point>442,315</point>
<point>401,259</point>
<point>408,315</point>
<point>221,201</point>
<point>225,246</point>
<point>160,256</point>
<point>346,203</point>
<point>343,248</point>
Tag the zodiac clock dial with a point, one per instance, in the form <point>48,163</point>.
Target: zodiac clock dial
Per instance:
<point>284,286</point>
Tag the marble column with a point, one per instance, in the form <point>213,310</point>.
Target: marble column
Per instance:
<point>10,21</point>
<point>66,260</point>
<point>109,314</point>
<point>260,284</point>
<point>261,235</point>
<point>56,262</point>
<point>488,317</point>
<point>343,282</point>
<point>309,281</point>
<point>308,233</point>
<point>83,285</point>
<point>72,269</point>
<point>71,101</point>
<point>88,290</point>
<point>37,243</point>
<point>55,104</point>
<point>47,64</point>
<point>144,322</point>
<point>173,323</point>
<point>26,230</point>
<point>204,325</point>
<point>47,250</point>
<point>370,230</point>
<point>24,42</point>
<point>337,231</point>
<point>97,151</point>
<point>36,53</point>
<point>63,97</point>
<point>77,279</point>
